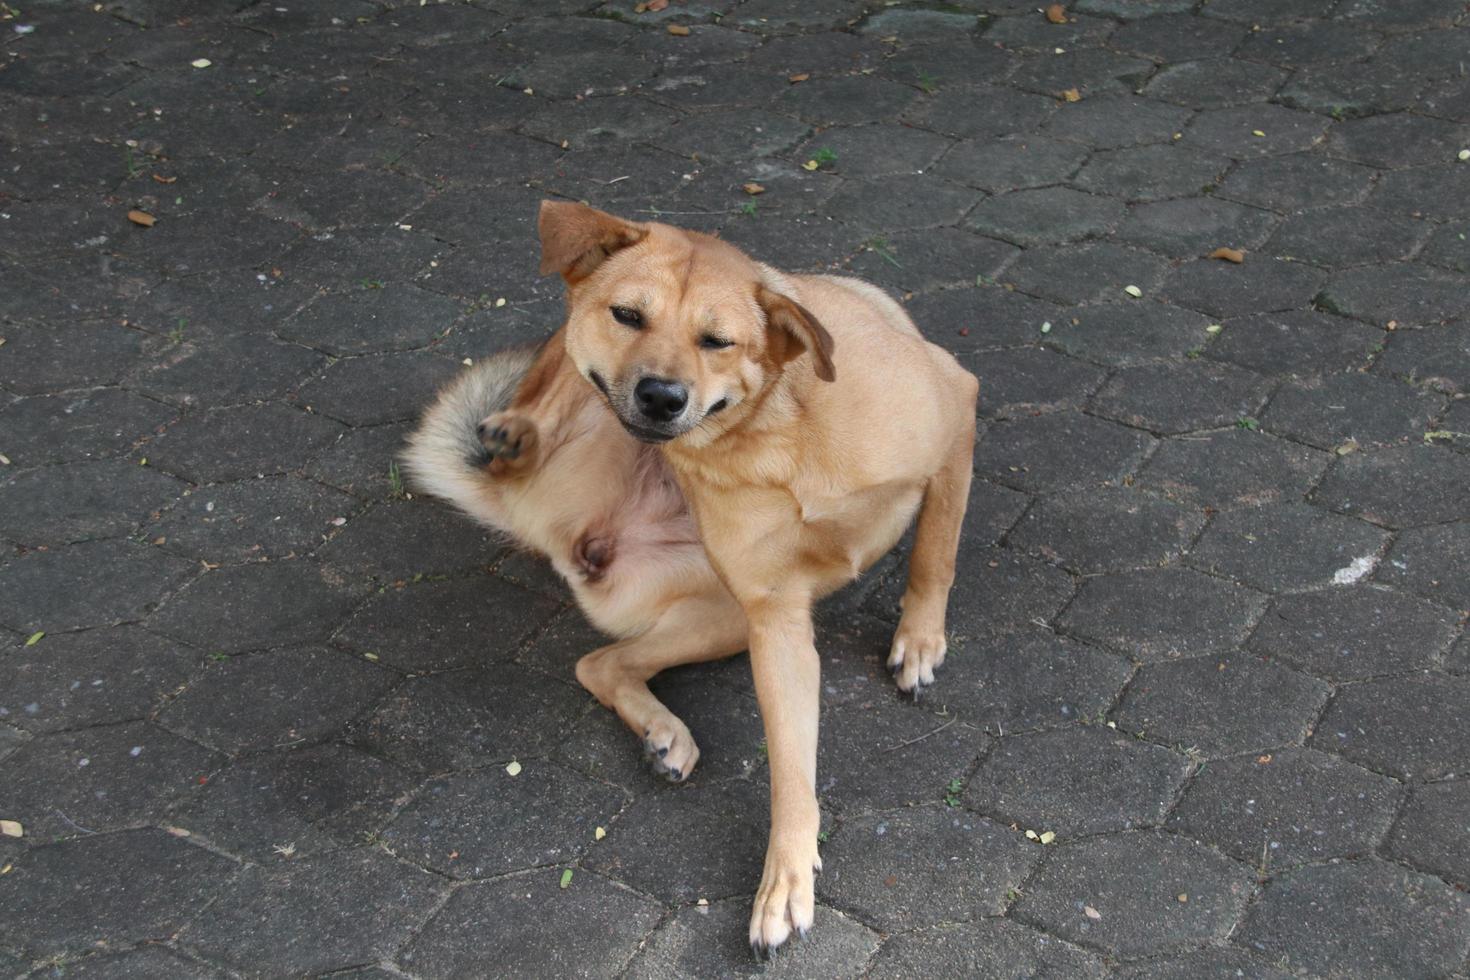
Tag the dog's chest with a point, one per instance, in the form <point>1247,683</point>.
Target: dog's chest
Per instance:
<point>846,535</point>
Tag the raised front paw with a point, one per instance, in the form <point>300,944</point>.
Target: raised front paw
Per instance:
<point>917,652</point>
<point>786,901</point>
<point>510,439</point>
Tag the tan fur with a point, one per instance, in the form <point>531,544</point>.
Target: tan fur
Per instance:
<point>805,449</point>
<point>817,422</point>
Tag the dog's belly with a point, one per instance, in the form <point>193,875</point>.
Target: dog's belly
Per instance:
<point>843,538</point>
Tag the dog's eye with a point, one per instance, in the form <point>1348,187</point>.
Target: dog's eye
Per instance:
<point>710,342</point>
<point>627,317</point>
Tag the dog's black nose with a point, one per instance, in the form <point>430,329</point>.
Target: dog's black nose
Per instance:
<point>660,400</point>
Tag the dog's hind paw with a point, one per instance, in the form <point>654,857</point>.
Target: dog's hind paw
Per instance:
<point>510,439</point>
<point>670,749</point>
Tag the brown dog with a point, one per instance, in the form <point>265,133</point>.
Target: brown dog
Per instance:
<point>806,422</point>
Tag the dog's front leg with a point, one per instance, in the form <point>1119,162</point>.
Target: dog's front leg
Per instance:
<point>783,659</point>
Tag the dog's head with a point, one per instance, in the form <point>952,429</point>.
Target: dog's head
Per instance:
<point>674,327</point>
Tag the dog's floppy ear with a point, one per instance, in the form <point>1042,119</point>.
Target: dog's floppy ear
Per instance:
<point>576,239</point>
<point>793,329</point>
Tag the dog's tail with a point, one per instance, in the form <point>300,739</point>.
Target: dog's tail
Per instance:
<point>444,456</point>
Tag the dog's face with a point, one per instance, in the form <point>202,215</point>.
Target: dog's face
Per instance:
<point>674,328</point>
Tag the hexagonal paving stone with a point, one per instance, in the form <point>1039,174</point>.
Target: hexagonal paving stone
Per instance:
<point>935,257</point>
<point>316,915</point>
<point>1363,919</point>
<point>513,916</point>
<point>733,813</point>
<point>1092,71</point>
<point>362,462</point>
<point>1354,633</point>
<point>79,425</point>
<point>239,443</point>
<point>1288,546</point>
<point>1429,561</point>
<point>1107,529</point>
<point>1298,342</point>
<point>1213,83</point>
<point>435,625</point>
<point>1330,411</point>
<point>44,357</point>
<point>1310,43</point>
<point>1406,294</point>
<point>888,204</point>
<point>374,318</point>
<point>1163,613</point>
<point>1433,192</point>
<point>1222,705</point>
<point>275,699</point>
<point>94,583</point>
<point>1232,132</point>
<point>990,947</point>
<point>141,885</point>
<point>1058,450</point>
<point>1297,181</point>
<point>1023,682</point>
<point>864,763</point>
<point>1002,592</point>
<point>1151,173</point>
<point>1436,357</point>
<point>76,501</point>
<point>1083,779</point>
<point>1045,216</point>
<point>1432,832</point>
<point>923,866</point>
<point>95,677</point>
<point>1193,226</point>
<point>1177,37</point>
<point>1411,727</point>
<point>1348,236</point>
<point>402,540</point>
<point>378,388</point>
<point>1126,334</point>
<point>100,779</point>
<point>1231,468</point>
<point>1360,89</point>
<point>252,519</point>
<point>1224,289</point>
<point>980,111</point>
<point>1094,272</point>
<point>463,719</point>
<point>981,318</point>
<point>700,941</point>
<point>489,822</point>
<point>1113,121</point>
<point>873,151</point>
<point>1011,163</point>
<point>204,369</point>
<point>143,963</point>
<point>845,101</point>
<point>1402,487</point>
<point>1287,808</point>
<point>1172,398</point>
<point>299,800</point>
<point>1133,882</point>
<point>1029,381</point>
<point>254,607</point>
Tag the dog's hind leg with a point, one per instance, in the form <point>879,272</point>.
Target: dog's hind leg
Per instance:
<point>919,644</point>
<point>691,630</point>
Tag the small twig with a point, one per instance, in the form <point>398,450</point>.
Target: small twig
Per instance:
<point>85,830</point>
<point>901,745</point>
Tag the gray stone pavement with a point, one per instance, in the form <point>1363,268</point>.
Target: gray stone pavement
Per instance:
<point>257,705</point>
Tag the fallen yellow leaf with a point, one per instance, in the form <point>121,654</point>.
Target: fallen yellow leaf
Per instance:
<point>799,77</point>
<point>678,30</point>
<point>1056,13</point>
<point>142,218</point>
<point>1048,836</point>
<point>599,834</point>
<point>1229,255</point>
<point>12,828</point>
<point>810,165</point>
<point>514,769</point>
<point>753,189</point>
<point>1071,95</point>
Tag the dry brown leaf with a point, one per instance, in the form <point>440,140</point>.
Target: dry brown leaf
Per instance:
<point>1229,255</point>
<point>1056,13</point>
<point>753,189</point>
<point>142,218</point>
<point>654,6</point>
<point>1072,95</point>
<point>678,30</point>
<point>800,76</point>
<point>164,180</point>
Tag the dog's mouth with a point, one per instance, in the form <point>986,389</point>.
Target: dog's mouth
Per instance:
<point>644,434</point>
